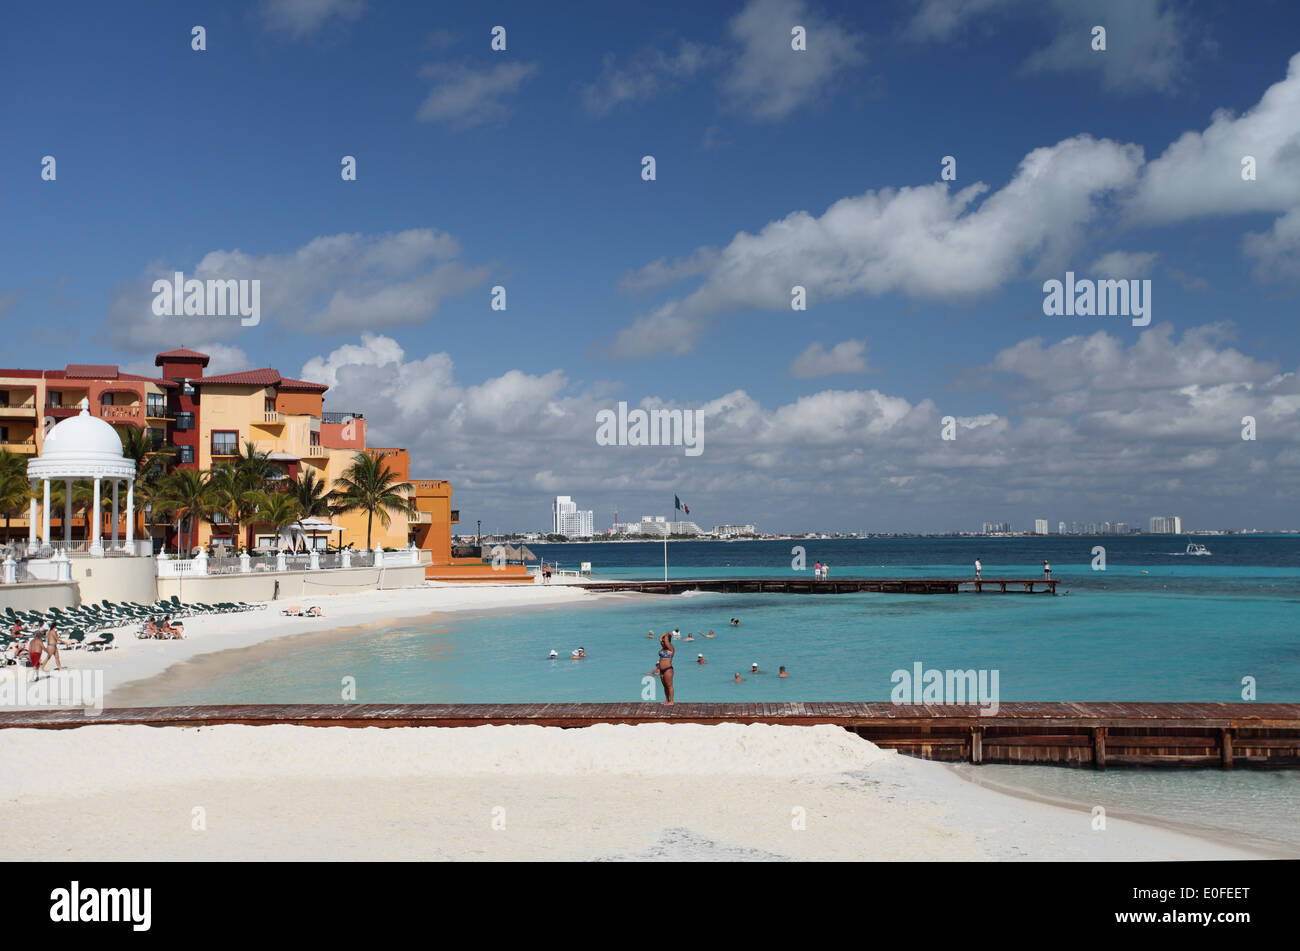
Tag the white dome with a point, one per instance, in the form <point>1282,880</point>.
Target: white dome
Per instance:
<point>81,447</point>
<point>84,437</point>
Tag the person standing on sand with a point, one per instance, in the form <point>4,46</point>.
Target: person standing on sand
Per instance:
<point>978,569</point>
<point>665,665</point>
<point>52,647</point>
<point>35,648</point>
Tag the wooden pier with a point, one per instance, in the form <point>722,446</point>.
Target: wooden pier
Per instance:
<point>1099,735</point>
<point>837,586</point>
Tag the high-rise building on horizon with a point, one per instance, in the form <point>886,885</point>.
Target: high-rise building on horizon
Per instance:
<point>1040,526</point>
<point>568,520</point>
<point>1165,525</point>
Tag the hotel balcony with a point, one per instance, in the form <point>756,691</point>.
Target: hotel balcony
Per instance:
<point>272,418</point>
<point>455,516</point>
<point>422,518</point>
<point>21,411</point>
<point>121,414</point>
<point>316,452</point>
<point>27,448</point>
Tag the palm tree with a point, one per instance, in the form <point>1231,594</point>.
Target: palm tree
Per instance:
<point>151,459</point>
<point>279,510</point>
<point>15,490</point>
<point>253,464</point>
<point>369,485</point>
<point>188,494</point>
<point>313,498</point>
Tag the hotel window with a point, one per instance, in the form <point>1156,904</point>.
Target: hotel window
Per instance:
<point>186,453</point>
<point>4,433</point>
<point>314,438</point>
<point>53,399</point>
<point>4,397</point>
<point>184,420</point>
<point>225,443</point>
<point>105,399</point>
<point>157,405</point>
<point>269,404</point>
<point>156,436</point>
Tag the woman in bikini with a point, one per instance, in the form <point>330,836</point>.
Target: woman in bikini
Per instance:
<point>666,650</point>
<point>52,648</point>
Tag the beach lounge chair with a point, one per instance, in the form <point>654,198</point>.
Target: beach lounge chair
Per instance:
<point>103,642</point>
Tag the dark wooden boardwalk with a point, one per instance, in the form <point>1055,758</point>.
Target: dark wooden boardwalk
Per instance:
<point>835,586</point>
<point>1071,734</point>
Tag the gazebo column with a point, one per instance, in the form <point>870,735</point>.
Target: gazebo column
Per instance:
<point>45,537</point>
<point>130,514</point>
<point>67,511</point>
<point>96,548</point>
<point>115,545</point>
<point>31,522</point>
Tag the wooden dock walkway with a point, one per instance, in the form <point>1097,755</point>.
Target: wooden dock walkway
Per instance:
<point>1070,734</point>
<point>836,586</point>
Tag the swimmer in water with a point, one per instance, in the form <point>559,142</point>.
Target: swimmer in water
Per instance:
<point>699,659</point>
<point>710,634</point>
<point>783,673</point>
<point>738,679</point>
<point>753,669</point>
<point>554,655</point>
<point>688,636</point>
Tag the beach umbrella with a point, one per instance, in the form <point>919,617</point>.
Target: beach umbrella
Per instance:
<point>526,553</point>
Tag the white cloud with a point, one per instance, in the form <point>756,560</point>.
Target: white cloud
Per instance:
<point>645,75</point>
<point>1277,251</point>
<point>299,18</point>
<point>769,80</point>
<point>1088,421</point>
<point>662,272</point>
<point>1201,173</point>
<point>926,242</point>
<point>848,356</point>
<point>466,96</point>
<point>1147,41</point>
<point>1145,44</point>
<point>334,282</point>
<point>1124,264</point>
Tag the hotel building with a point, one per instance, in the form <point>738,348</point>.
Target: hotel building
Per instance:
<point>206,420</point>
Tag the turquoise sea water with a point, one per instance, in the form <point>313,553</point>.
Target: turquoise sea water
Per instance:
<point>1186,629</point>
<point>1153,626</point>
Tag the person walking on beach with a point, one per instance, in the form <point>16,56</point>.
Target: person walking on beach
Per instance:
<point>35,648</point>
<point>978,569</point>
<point>1047,570</point>
<point>665,665</point>
<point>52,647</point>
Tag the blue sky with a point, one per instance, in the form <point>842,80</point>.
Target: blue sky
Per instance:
<point>522,168</point>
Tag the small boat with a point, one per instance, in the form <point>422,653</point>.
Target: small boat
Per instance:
<point>1194,549</point>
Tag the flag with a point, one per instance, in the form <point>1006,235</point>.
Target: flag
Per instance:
<point>677,505</point>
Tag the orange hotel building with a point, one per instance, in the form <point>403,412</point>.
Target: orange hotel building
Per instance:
<point>207,420</point>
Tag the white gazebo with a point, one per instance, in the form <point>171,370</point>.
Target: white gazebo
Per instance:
<point>82,447</point>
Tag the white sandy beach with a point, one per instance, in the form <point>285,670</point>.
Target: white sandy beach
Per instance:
<point>658,791</point>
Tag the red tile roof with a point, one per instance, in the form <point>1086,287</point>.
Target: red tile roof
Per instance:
<point>267,376</point>
<point>180,354</point>
<point>91,371</point>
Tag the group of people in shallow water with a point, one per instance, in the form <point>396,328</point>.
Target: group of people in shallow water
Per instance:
<point>664,664</point>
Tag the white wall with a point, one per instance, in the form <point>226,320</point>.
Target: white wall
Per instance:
<point>294,585</point>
